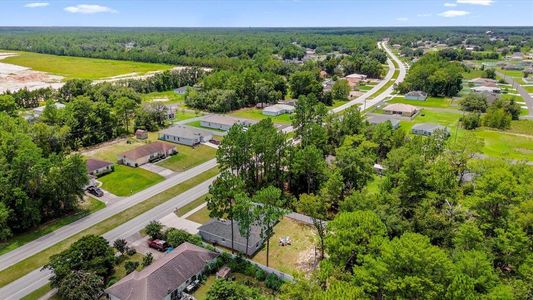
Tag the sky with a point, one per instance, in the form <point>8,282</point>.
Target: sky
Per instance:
<point>267,13</point>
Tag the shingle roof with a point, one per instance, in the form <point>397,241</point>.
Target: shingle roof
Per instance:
<point>382,119</point>
<point>225,120</point>
<point>430,127</point>
<point>95,164</point>
<point>400,107</point>
<point>223,229</point>
<point>183,131</point>
<point>163,275</point>
<point>416,94</point>
<point>145,150</point>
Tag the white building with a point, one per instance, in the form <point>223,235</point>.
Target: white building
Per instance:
<point>278,109</point>
<point>185,135</point>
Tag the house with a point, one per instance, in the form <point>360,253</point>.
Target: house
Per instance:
<point>166,278</point>
<point>491,97</point>
<point>483,82</point>
<point>428,129</point>
<point>141,134</point>
<point>146,154</point>
<point>181,90</point>
<point>517,56</point>
<point>218,232</point>
<point>278,109</point>
<point>327,85</point>
<point>405,110</point>
<point>96,167</point>
<point>222,122</point>
<point>38,111</point>
<point>486,89</point>
<point>416,95</point>
<point>354,79</point>
<point>374,120</point>
<point>185,135</point>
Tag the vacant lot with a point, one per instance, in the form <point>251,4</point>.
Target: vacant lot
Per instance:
<point>188,157</point>
<point>429,102</point>
<point>291,258</point>
<point>257,114</point>
<point>164,97</point>
<point>80,67</point>
<point>126,181</point>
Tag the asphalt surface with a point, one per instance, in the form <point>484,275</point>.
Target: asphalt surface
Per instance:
<point>527,97</point>
<point>38,278</point>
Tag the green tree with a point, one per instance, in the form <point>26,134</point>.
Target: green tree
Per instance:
<point>153,229</point>
<point>355,158</point>
<point>221,200</point>
<point>8,104</point>
<point>304,83</point>
<point>474,102</point>
<point>316,208</point>
<point>124,109</point>
<point>307,166</point>
<point>231,290</point>
<point>340,90</point>
<point>81,285</point>
<point>120,245</point>
<point>5,231</point>
<point>497,118</point>
<point>148,259</point>
<point>245,216</point>
<point>130,266</point>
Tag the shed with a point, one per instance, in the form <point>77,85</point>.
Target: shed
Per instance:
<point>141,134</point>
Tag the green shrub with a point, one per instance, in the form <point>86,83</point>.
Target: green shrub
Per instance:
<point>130,266</point>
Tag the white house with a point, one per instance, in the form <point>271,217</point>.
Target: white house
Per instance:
<point>278,109</point>
<point>185,135</point>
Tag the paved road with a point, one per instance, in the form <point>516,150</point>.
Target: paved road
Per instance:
<point>527,97</point>
<point>38,278</point>
<point>116,207</point>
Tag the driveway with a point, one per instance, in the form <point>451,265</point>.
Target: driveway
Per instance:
<point>527,97</point>
<point>171,220</point>
<point>140,244</point>
<point>157,169</point>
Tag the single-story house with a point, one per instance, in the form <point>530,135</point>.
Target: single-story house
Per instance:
<point>374,120</point>
<point>185,135</point>
<point>166,278</point>
<point>491,97</point>
<point>141,134</point>
<point>146,153</point>
<point>96,167</point>
<point>38,111</point>
<point>181,90</point>
<point>486,89</point>
<point>400,109</point>
<point>483,81</point>
<point>278,109</point>
<point>354,79</point>
<point>427,129</point>
<point>219,232</point>
<point>222,122</point>
<point>416,95</point>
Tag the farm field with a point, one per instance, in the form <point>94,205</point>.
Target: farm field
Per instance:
<point>188,157</point>
<point>126,181</point>
<point>256,114</point>
<point>80,67</point>
<point>429,102</point>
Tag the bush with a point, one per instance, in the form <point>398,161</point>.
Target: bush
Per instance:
<point>260,274</point>
<point>273,282</point>
<point>474,102</point>
<point>120,245</point>
<point>153,230</point>
<point>130,266</point>
<point>130,251</point>
<point>471,121</point>
<point>497,118</point>
<point>147,259</point>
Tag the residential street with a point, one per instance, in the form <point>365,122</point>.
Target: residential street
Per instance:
<point>115,207</point>
<point>527,97</point>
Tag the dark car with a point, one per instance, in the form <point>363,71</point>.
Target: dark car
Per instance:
<point>215,142</point>
<point>95,191</point>
<point>159,245</point>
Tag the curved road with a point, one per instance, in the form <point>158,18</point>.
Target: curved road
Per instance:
<point>527,97</point>
<point>38,278</point>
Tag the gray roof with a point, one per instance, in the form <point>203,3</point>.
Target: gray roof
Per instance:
<point>223,229</point>
<point>429,127</point>
<point>226,120</point>
<point>417,94</point>
<point>381,119</point>
<point>163,275</point>
<point>183,131</point>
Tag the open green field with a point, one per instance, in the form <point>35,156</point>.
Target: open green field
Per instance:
<point>516,74</point>
<point>253,113</point>
<point>528,88</point>
<point>427,116</point>
<point>126,181</point>
<point>163,97</point>
<point>185,115</point>
<point>188,157</point>
<point>88,206</point>
<point>38,260</point>
<point>472,74</point>
<point>430,102</point>
<point>80,67</point>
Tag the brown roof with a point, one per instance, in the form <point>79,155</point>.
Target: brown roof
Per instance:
<point>400,107</point>
<point>95,164</point>
<point>163,275</point>
<point>145,150</point>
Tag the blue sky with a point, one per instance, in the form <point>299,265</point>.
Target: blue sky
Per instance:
<point>267,13</point>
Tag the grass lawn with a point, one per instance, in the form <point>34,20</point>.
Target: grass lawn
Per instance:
<point>126,181</point>
<point>38,260</point>
<point>253,113</point>
<point>80,67</point>
<point>522,127</point>
<point>472,74</point>
<point>430,102</point>
<point>427,116</point>
<point>188,157</point>
<point>185,115</point>
<point>38,293</point>
<point>528,88</point>
<point>288,258</point>
<point>110,152</point>
<point>201,216</point>
<point>506,145</point>
<point>169,96</point>
<point>190,206</point>
<point>373,186</point>
<point>120,269</point>
<point>88,206</point>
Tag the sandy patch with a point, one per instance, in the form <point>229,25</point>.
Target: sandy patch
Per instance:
<point>14,78</point>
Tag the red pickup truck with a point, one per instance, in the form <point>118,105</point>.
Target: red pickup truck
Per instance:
<point>159,245</point>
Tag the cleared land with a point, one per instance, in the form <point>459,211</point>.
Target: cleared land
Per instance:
<point>429,102</point>
<point>164,97</point>
<point>38,260</point>
<point>126,181</point>
<point>80,67</point>
<point>188,157</point>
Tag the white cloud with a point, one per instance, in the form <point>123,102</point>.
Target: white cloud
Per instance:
<point>424,15</point>
<point>89,9</point>
<point>449,4</point>
<point>402,19</point>
<point>476,2</point>
<point>454,13</point>
<point>36,4</point>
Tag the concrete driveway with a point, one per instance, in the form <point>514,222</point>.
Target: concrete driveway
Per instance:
<point>157,169</point>
<point>171,220</point>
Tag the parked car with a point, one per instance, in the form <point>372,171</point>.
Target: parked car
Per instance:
<point>215,142</point>
<point>95,191</point>
<point>191,287</point>
<point>159,245</point>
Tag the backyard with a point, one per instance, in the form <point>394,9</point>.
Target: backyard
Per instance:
<point>80,67</point>
<point>188,157</point>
